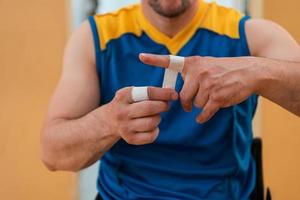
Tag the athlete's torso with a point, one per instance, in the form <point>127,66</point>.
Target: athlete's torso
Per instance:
<point>188,160</point>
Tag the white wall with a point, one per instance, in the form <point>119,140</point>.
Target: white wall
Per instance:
<point>112,5</point>
<point>238,4</point>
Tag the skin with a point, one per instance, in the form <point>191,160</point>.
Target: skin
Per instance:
<point>77,132</point>
<point>169,26</point>
<point>215,83</point>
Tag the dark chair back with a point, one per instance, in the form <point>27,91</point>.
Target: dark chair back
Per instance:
<point>258,193</point>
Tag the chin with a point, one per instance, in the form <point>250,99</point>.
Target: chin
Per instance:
<point>170,8</point>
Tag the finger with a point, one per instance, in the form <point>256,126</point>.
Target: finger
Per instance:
<point>145,124</point>
<point>153,93</point>
<point>124,95</point>
<point>155,60</point>
<point>188,93</point>
<point>201,98</point>
<point>208,111</point>
<point>147,108</point>
<point>162,94</point>
<point>142,138</point>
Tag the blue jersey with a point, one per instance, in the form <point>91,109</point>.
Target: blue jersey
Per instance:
<point>188,161</point>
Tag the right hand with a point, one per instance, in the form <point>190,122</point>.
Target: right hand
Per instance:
<point>137,122</point>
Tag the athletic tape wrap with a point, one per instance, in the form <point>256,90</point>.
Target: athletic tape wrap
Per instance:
<point>176,66</point>
<point>176,63</point>
<point>139,94</point>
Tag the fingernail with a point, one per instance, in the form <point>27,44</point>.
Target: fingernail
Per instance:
<point>144,55</point>
<point>199,121</point>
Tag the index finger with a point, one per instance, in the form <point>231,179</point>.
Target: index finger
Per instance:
<point>162,94</point>
<point>155,60</point>
<point>152,93</point>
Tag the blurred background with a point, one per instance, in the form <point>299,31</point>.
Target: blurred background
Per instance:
<point>33,34</point>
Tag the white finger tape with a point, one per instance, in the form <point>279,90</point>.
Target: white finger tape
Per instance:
<point>139,94</point>
<point>176,66</point>
<point>170,79</point>
<point>176,63</point>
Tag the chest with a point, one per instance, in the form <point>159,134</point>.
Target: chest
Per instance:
<point>120,65</point>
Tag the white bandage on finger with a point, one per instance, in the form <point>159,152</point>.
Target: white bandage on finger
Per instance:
<point>176,66</point>
<point>176,63</point>
<point>139,94</point>
<point>170,79</point>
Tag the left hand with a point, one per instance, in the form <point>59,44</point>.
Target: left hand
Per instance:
<point>212,83</point>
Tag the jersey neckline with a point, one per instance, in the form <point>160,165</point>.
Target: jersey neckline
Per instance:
<point>176,43</point>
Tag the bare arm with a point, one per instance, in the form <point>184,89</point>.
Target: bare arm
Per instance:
<point>77,132</point>
<point>73,135</point>
<point>279,82</point>
<point>273,71</point>
<point>280,74</point>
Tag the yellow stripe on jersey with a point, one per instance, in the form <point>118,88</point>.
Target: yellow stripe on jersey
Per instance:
<point>210,16</point>
<point>222,20</point>
<point>113,25</point>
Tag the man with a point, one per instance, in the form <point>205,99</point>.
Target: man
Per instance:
<point>154,149</point>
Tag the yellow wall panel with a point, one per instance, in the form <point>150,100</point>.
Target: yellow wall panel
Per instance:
<point>281,129</point>
<point>285,13</point>
<point>32,37</point>
<point>281,135</point>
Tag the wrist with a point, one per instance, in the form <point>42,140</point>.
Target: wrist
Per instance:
<point>103,122</point>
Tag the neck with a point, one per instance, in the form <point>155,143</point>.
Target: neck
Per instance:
<point>170,26</point>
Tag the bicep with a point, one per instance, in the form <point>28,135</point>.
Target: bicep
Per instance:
<point>78,91</point>
<point>269,40</point>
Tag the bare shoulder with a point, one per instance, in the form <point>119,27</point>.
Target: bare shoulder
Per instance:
<point>78,91</point>
<point>80,47</point>
<point>266,38</point>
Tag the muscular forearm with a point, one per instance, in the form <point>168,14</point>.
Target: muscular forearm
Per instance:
<point>280,83</point>
<point>75,144</point>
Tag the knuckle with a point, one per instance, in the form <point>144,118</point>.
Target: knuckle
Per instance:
<point>217,97</point>
<point>150,123</point>
<point>209,84</point>
<point>197,103</point>
<point>184,96</point>
<point>205,85</point>
<point>125,129</point>
<point>151,106</point>
<point>155,134</point>
<point>131,140</point>
<point>157,120</point>
<point>152,137</point>
<point>119,95</point>
<point>193,59</point>
<point>169,94</point>
<point>122,114</point>
<point>119,116</point>
<point>204,71</point>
